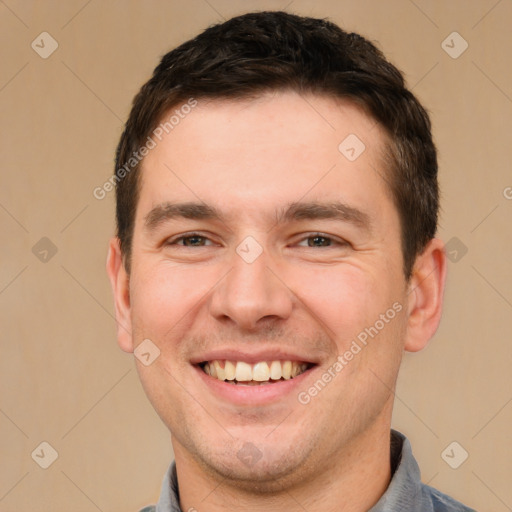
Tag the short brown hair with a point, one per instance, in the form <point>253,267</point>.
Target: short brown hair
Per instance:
<point>259,52</point>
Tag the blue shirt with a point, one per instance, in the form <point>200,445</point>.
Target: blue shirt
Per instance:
<point>405,492</point>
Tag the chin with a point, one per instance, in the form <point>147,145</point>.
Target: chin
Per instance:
<point>268,472</point>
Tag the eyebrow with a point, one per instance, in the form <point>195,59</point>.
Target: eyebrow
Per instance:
<point>296,211</point>
<point>168,211</point>
<point>333,210</point>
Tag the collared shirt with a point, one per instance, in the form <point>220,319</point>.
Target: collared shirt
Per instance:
<point>405,493</point>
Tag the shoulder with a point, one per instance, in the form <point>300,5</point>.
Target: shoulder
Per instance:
<point>442,502</point>
<point>149,508</point>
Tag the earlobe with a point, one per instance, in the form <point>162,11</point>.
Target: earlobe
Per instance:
<point>425,295</point>
<point>119,280</point>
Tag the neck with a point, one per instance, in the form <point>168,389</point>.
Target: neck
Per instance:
<point>351,481</point>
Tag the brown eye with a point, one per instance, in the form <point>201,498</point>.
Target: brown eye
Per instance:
<point>194,241</point>
<point>191,240</point>
<point>319,241</point>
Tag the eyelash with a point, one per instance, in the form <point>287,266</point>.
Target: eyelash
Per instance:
<point>333,241</point>
<point>184,237</point>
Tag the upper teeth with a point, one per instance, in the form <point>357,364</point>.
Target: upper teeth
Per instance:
<point>260,372</point>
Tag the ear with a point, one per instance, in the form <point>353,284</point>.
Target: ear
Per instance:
<point>425,295</point>
<point>120,282</point>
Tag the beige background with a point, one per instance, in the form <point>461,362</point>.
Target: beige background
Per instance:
<point>63,378</point>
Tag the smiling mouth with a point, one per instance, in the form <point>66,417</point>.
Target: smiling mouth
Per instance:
<point>264,372</point>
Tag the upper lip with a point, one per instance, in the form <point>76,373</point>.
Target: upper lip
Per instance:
<point>252,357</point>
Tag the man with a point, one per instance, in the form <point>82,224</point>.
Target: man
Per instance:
<point>277,206</point>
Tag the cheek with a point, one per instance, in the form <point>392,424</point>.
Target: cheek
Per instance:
<point>165,294</point>
<point>344,298</point>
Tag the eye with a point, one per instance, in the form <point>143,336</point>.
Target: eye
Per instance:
<point>191,240</point>
<point>319,240</point>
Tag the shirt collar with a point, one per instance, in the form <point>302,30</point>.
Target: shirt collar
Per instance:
<point>169,497</point>
<point>404,489</point>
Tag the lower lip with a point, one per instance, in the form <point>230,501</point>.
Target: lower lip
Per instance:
<point>253,395</point>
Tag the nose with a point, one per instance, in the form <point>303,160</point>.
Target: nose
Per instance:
<point>251,295</point>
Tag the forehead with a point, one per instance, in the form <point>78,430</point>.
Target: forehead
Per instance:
<point>257,153</point>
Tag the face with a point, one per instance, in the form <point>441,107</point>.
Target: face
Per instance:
<point>261,251</point>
